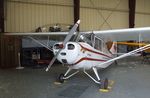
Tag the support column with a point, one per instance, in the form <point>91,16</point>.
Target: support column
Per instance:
<point>1,28</point>
<point>1,16</point>
<point>76,11</point>
<point>132,5</point>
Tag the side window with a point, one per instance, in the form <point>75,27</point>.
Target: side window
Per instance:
<point>98,44</point>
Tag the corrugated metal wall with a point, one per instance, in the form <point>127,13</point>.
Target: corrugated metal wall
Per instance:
<point>104,14</point>
<point>27,15</point>
<point>111,14</point>
<point>143,13</point>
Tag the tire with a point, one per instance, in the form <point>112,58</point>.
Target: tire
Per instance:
<point>60,78</point>
<point>105,85</point>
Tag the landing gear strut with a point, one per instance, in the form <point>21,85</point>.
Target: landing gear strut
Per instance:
<point>63,77</point>
<point>103,84</point>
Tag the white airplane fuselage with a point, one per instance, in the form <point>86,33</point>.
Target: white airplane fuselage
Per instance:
<point>80,55</point>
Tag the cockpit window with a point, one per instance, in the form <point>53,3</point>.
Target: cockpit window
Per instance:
<point>98,44</point>
<point>85,38</point>
<point>56,46</point>
<point>71,46</point>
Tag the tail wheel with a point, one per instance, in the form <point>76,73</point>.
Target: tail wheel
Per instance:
<point>61,78</point>
<point>105,85</point>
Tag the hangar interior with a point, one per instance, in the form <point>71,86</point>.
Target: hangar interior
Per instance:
<point>131,75</point>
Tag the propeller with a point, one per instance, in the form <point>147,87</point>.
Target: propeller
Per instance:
<point>68,37</point>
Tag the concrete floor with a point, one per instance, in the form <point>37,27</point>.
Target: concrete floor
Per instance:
<point>132,80</point>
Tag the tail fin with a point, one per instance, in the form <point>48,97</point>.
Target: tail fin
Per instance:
<point>113,48</point>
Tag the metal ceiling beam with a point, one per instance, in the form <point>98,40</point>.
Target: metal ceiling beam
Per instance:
<point>76,11</point>
<point>132,6</point>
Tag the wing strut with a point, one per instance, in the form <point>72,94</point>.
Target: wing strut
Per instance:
<point>40,43</point>
<point>124,55</point>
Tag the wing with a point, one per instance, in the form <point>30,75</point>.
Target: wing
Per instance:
<point>125,34</point>
<point>114,35</point>
<point>37,37</point>
<point>43,35</point>
<point>58,36</point>
<point>38,33</point>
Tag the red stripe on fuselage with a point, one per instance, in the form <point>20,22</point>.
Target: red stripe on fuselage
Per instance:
<point>94,51</point>
<point>88,59</point>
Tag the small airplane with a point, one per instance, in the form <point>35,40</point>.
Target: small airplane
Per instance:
<point>91,50</point>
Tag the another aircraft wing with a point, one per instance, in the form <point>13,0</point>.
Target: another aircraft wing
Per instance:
<point>134,44</point>
<point>131,43</point>
<point>125,34</point>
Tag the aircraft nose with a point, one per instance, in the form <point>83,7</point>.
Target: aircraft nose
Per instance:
<point>69,54</point>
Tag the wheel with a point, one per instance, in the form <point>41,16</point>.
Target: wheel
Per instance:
<point>60,78</point>
<point>105,85</point>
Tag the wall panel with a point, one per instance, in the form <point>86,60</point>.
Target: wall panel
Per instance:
<point>142,18</point>
<point>25,17</point>
<point>104,14</point>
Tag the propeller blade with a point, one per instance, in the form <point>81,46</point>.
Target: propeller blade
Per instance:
<point>53,60</point>
<point>68,37</point>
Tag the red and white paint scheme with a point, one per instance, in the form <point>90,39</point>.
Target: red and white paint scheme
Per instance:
<point>89,50</point>
<point>81,55</point>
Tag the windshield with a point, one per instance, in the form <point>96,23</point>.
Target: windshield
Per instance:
<point>88,38</point>
<point>92,40</point>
